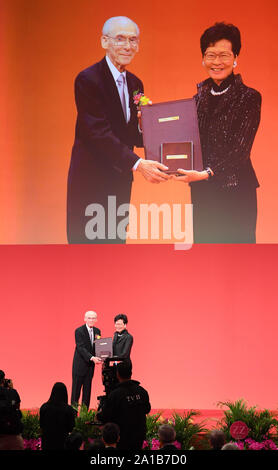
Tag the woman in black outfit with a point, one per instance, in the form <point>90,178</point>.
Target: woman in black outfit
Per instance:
<point>57,418</point>
<point>224,194</point>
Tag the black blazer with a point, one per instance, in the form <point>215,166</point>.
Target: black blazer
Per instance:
<point>103,146</point>
<point>228,124</point>
<point>83,351</point>
<point>122,344</point>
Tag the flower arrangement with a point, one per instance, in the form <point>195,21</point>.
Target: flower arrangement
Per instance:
<point>155,445</point>
<point>262,425</point>
<point>140,99</point>
<point>31,430</point>
<point>250,444</point>
<point>186,429</point>
<point>188,432</point>
<point>32,444</point>
<point>262,428</point>
<point>85,424</point>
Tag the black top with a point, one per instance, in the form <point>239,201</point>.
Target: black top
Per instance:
<point>10,415</point>
<point>56,421</point>
<point>127,406</point>
<point>228,124</point>
<point>167,448</point>
<point>122,344</point>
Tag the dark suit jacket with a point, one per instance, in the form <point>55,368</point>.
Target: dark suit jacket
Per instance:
<point>83,351</point>
<point>102,155</point>
<point>168,448</point>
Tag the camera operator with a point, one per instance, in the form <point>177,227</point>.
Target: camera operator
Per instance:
<point>10,416</point>
<point>122,344</point>
<point>127,406</point>
<point>122,341</point>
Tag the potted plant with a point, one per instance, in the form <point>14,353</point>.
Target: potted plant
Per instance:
<point>86,424</point>
<point>31,430</point>
<point>262,425</point>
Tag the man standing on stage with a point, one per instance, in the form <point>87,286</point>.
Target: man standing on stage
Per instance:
<point>103,161</point>
<point>122,341</point>
<point>84,359</point>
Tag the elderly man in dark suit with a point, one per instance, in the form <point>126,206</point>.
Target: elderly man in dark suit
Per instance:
<point>84,359</point>
<point>103,161</point>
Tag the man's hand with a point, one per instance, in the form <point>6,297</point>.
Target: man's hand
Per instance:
<point>150,169</point>
<point>96,360</point>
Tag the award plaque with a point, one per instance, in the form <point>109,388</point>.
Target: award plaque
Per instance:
<point>171,134</point>
<point>177,155</point>
<point>103,348</point>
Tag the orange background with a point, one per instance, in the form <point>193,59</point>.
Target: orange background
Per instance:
<point>47,43</point>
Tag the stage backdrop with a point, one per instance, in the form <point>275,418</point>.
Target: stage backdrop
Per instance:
<point>204,321</point>
<point>48,42</point>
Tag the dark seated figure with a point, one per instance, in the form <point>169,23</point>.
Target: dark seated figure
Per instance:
<point>217,439</point>
<point>110,436</point>
<point>57,419</point>
<point>74,441</point>
<point>96,446</point>
<point>10,416</point>
<point>167,437</point>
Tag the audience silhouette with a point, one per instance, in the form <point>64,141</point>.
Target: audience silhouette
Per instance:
<point>57,418</point>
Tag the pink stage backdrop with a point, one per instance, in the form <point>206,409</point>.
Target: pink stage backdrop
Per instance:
<point>204,320</point>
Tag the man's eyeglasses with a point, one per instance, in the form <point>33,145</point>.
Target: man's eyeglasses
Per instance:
<point>122,41</point>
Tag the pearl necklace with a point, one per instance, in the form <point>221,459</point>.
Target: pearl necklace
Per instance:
<point>214,93</point>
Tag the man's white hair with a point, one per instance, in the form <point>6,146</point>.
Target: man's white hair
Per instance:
<point>121,19</point>
<point>90,312</point>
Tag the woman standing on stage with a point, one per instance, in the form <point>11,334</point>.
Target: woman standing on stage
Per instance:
<point>224,194</point>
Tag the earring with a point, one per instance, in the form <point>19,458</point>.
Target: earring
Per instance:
<point>235,64</point>
<point>203,63</point>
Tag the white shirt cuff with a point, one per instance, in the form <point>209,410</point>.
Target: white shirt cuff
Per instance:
<point>136,164</point>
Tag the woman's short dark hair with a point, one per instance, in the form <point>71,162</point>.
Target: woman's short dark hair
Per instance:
<point>121,316</point>
<point>221,31</point>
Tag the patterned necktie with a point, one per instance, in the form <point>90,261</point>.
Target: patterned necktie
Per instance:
<point>121,88</point>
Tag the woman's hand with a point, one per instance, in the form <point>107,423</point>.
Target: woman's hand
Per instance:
<point>188,176</point>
